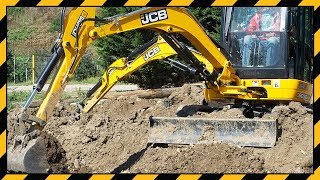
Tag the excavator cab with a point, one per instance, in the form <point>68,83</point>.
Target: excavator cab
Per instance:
<point>271,48</point>
<point>254,38</point>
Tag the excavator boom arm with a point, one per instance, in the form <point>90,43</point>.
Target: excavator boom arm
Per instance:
<point>80,31</point>
<point>170,20</point>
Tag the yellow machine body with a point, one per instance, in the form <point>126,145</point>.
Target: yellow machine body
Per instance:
<point>280,90</point>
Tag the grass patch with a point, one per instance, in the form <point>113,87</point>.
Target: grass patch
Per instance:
<point>66,95</point>
<point>14,11</point>
<point>90,80</point>
<point>19,34</point>
<point>55,25</point>
<point>17,97</point>
<point>14,98</point>
<point>27,83</point>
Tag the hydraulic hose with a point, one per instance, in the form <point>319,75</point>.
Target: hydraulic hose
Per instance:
<point>48,69</point>
<point>45,73</point>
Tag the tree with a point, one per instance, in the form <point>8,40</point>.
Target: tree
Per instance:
<point>210,19</point>
<point>87,68</point>
<point>120,45</point>
<point>10,66</point>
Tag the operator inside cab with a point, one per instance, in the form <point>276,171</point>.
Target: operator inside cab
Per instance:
<point>256,36</point>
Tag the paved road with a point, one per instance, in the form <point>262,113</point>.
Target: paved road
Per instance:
<point>74,87</point>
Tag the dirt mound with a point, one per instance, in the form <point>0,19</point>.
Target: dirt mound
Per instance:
<point>187,94</point>
<point>113,137</point>
<point>214,158</point>
<point>293,151</point>
<point>225,113</point>
<point>105,137</point>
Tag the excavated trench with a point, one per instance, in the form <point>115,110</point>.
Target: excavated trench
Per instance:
<point>113,138</point>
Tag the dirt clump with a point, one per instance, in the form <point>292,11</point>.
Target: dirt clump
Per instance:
<point>56,155</point>
<point>113,137</point>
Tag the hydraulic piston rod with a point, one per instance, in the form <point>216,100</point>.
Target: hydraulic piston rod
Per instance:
<point>44,75</point>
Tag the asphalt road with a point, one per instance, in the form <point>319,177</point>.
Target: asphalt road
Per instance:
<point>73,87</point>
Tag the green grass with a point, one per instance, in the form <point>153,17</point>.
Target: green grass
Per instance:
<point>21,34</point>
<point>14,98</point>
<point>17,97</point>
<point>27,83</point>
<point>55,25</point>
<point>90,80</point>
<point>66,95</point>
<point>14,11</point>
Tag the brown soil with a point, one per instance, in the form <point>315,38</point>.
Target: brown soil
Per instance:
<point>113,138</point>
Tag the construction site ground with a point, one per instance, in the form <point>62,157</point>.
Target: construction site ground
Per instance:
<point>112,138</point>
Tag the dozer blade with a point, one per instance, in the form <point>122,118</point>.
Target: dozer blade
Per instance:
<point>30,159</point>
<point>242,132</point>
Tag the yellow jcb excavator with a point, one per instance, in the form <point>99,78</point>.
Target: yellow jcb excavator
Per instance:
<point>247,68</point>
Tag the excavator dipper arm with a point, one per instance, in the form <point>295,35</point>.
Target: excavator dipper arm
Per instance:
<point>158,49</point>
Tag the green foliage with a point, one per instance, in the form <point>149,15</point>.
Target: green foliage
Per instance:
<point>19,34</point>
<point>17,97</point>
<point>9,66</point>
<point>120,45</point>
<point>210,19</point>
<point>55,25</point>
<point>81,93</point>
<point>110,48</point>
<point>22,64</point>
<point>86,69</point>
<point>89,80</point>
<point>66,96</point>
<point>14,11</point>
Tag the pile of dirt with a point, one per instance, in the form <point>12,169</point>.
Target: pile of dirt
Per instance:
<point>113,137</point>
<point>293,152</point>
<point>213,158</point>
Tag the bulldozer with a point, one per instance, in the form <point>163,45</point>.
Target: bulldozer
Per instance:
<point>264,58</point>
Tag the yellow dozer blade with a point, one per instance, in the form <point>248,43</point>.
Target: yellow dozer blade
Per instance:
<point>188,130</point>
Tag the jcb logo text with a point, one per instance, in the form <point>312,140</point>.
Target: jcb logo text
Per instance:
<point>153,16</point>
<point>151,53</point>
<point>81,18</point>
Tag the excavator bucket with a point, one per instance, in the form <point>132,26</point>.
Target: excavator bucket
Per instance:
<point>31,159</point>
<point>186,130</point>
